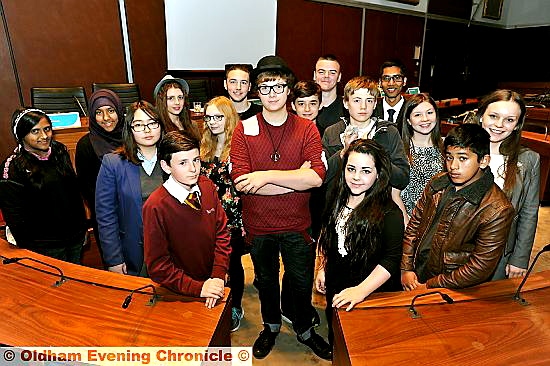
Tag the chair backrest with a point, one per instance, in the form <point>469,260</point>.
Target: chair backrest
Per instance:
<point>198,91</point>
<point>127,92</point>
<point>65,99</point>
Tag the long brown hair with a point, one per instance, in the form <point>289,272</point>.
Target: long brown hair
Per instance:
<point>161,105</point>
<point>511,146</point>
<point>210,141</point>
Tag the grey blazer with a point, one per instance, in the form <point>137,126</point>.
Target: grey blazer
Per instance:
<point>525,199</point>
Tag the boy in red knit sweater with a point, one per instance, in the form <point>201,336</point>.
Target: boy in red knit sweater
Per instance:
<point>186,240</point>
<point>276,160</point>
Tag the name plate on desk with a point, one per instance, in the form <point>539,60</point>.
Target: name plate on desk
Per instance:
<point>64,120</point>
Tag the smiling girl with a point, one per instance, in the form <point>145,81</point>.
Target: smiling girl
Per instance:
<point>39,194</point>
<point>423,144</point>
<point>171,100</point>
<point>517,173</point>
<point>221,118</point>
<point>360,243</point>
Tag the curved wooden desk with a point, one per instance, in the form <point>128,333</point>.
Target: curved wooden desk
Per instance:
<point>484,326</point>
<point>34,313</point>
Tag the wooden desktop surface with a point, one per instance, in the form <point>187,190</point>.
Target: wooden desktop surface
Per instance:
<point>34,313</point>
<point>484,326</point>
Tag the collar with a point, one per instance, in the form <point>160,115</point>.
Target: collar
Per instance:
<point>473,193</point>
<point>148,165</point>
<point>178,191</point>
<point>396,107</point>
<point>40,157</point>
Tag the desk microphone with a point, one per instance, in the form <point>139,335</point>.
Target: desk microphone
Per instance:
<point>517,296</point>
<point>152,301</point>
<point>57,283</point>
<point>80,106</point>
<point>412,310</point>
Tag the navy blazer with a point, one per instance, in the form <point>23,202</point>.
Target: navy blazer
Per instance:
<point>118,205</point>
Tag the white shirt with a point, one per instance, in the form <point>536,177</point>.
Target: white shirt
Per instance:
<point>396,108</point>
<point>498,168</point>
<point>341,229</point>
<point>178,191</point>
<point>366,132</point>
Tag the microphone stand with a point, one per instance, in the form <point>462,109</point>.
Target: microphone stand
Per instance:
<point>415,314</point>
<point>57,283</point>
<point>152,301</point>
<point>517,296</point>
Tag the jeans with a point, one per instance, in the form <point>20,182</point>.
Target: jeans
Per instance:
<point>236,270</point>
<point>298,254</point>
<point>70,253</point>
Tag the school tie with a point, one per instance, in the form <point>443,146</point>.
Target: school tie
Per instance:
<point>193,201</point>
<point>391,112</point>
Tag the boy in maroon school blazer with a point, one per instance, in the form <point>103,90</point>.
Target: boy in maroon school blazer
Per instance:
<point>186,239</point>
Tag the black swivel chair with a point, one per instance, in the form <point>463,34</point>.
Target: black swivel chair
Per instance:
<point>65,99</point>
<point>198,91</point>
<point>127,92</point>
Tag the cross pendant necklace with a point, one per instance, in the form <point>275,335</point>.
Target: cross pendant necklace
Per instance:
<point>275,155</point>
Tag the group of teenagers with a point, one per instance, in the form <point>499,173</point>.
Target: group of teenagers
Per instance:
<point>355,194</point>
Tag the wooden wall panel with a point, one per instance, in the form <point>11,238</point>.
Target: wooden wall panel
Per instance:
<point>342,37</point>
<point>66,42</point>
<point>300,35</point>
<point>147,33</point>
<point>392,36</point>
<point>307,30</point>
<point>9,99</point>
<point>380,41</point>
<point>408,35</point>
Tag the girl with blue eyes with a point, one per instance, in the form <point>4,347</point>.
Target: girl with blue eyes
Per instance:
<point>517,172</point>
<point>423,144</point>
<point>361,239</point>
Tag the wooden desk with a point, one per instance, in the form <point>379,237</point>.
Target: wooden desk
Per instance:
<point>34,313</point>
<point>70,136</point>
<point>455,106</point>
<point>484,326</point>
<point>537,120</point>
<point>198,119</point>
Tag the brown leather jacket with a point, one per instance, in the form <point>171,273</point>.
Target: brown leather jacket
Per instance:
<point>470,236</point>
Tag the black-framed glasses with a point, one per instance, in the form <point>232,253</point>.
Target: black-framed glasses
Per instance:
<point>396,78</point>
<point>215,117</point>
<point>140,127</point>
<point>266,89</point>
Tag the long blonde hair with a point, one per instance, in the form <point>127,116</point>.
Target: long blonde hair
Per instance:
<point>210,141</point>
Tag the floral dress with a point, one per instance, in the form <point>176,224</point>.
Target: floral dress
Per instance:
<point>218,172</point>
<point>426,162</point>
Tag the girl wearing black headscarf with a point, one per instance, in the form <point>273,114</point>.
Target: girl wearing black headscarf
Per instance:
<point>105,112</point>
<point>39,195</point>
